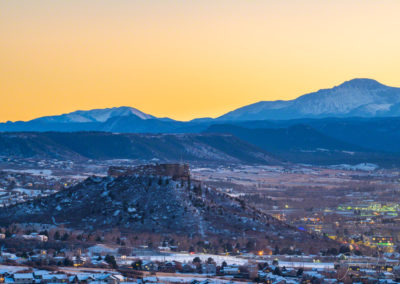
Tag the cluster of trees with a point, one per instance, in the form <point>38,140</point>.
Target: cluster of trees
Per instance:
<point>342,250</point>
<point>61,237</point>
<point>223,246</point>
<point>287,251</point>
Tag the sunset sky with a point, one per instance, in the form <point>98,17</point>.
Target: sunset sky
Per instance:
<point>187,59</point>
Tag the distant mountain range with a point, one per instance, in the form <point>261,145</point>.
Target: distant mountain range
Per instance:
<point>354,98</point>
<point>117,119</point>
<point>357,121</point>
<point>95,115</point>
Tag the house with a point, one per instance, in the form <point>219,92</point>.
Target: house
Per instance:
<point>150,279</point>
<point>78,260</point>
<point>188,268</point>
<point>54,278</point>
<point>8,256</point>
<point>312,275</point>
<point>148,265</point>
<point>38,274</point>
<point>82,278</point>
<point>59,259</point>
<point>168,266</point>
<point>109,278</point>
<point>35,236</point>
<point>230,270</point>
<point>209,268</point>
<point>3,274</point>
<point>9,280</point>
<point>165,248</point>
<point>23,278</point>
<point>275,279</point>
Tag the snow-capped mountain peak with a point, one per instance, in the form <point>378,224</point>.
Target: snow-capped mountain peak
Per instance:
<point>362,83</point>
<point>96,115</point>
<point>357,97</point>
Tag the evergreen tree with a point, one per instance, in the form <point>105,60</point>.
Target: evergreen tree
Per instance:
<point>110,259</point>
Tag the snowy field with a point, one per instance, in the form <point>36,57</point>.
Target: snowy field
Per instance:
<point>179,279</point>
<point>34,172</point>
<point>184,258</point>
<point>12,269</point>
<point>230,260</point>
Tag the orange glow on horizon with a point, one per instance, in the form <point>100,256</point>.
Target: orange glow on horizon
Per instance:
<point>187,59</point>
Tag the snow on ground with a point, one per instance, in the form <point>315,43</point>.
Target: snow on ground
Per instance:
<point>182,257</point>
<point>358,167</point>
<point>30,192</point>
<point>33,172</point>
<point>85,270</point>
<point>230,260</point>
<point>183,279</point>
<point>317,265</point>
<point>44,173</point>
<point>12,269</point>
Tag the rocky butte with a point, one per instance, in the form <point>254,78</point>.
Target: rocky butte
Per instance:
<point>175,171</point>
